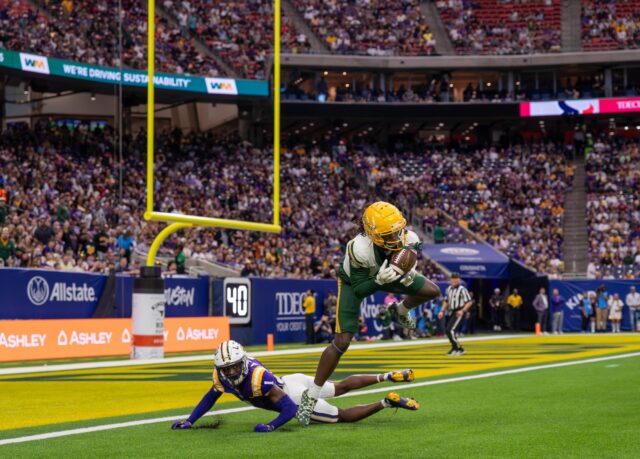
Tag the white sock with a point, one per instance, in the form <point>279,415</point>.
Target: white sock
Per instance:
<point>314,391</point>
<point>593,327</point>
<point>384,376</point>
<point>402,309</point>
<point>330,390</point>
<point>385,403</point>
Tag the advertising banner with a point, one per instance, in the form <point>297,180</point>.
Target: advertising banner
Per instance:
<point>573,291</point>
<point>277,308</point>
<point>185,296</point>
<point>44,294</point>
<point>53,339</point>
<point>135,78</point>
<point>580,107</point>
<point>47,294</point>
<point>470,260</point>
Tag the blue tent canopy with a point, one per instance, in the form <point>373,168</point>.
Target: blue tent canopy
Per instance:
<point>470,260</point>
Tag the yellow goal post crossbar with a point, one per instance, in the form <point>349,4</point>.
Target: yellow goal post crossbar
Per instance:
<point>180,221</point>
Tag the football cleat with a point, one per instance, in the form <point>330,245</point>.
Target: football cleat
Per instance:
<point>459,352</point>
<point>396,401</point>
<point>405,319</point>
<point>452,351</point>
<point>305,409</point>
<point>402,375</point>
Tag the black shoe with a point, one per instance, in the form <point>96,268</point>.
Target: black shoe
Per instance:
<point>452,352</point>
<point>460,351</point>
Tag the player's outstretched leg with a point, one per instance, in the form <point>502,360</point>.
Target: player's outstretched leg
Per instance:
<point>328,363</point>
<point>359,381</point>
<point>392,400</point>
<point>426,292</point>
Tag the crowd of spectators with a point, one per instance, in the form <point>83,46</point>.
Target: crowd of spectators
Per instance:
<point>613,208</point>
<point>502,26</point>
<point>62,206</point>
<point>370,27</point>
<point>240,31</point>
<point>88,32</point>
<point>610,24</point>
<point>513,198</point>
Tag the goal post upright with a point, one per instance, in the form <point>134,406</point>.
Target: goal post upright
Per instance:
<point>151,59</point>
<point>276,112</point>
<point>180,221</point>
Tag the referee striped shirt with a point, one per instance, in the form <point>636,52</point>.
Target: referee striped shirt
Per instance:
<point>457,297</point>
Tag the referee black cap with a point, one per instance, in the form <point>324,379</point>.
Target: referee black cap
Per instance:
<point>455,276</point>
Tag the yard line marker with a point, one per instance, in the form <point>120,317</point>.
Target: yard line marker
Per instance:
<point>82,430</point>
<point>197,358</point>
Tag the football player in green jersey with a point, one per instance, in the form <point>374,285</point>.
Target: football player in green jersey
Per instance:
<point>363,271</point>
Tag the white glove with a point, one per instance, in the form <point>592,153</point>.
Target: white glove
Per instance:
<point>386,274</point>
<point>407,280</point>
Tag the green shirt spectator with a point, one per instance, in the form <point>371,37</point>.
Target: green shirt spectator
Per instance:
<point>7,246</point>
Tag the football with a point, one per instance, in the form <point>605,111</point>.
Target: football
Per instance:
<point>403,260</point>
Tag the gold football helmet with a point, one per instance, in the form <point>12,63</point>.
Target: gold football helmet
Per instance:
<point>385,225</point>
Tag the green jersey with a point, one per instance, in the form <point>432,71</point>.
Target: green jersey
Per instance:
<point>362,261</point>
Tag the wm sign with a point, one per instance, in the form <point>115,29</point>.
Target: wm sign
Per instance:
<point>33,63</point>
<point>221,86</point>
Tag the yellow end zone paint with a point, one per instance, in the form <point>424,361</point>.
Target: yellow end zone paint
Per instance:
<point>28,400</point>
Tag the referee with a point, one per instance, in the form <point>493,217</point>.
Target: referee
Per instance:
<point>458,300</point>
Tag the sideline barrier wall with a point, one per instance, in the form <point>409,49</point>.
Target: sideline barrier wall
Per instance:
<point>572,291</point>
<point>46,294</point>
<point>66,338</point>
<point>277,309</point>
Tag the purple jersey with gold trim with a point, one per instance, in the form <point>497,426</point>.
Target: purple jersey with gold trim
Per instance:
<point>255,386</point>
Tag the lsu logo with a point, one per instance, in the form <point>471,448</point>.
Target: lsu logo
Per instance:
<point>38,290</point>
<point>33,63</point>
<point>221,86</point>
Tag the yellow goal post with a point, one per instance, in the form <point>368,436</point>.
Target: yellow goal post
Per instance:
<point>180,221</point>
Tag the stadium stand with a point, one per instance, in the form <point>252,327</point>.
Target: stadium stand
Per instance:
<point>502,26</point>
<point>372,27</point>
<point>241,32</point>
<point>63,211</point>
<point>610,24</point>
<point>511,198</point>
<point>613,208</point>
<point>87,32</point>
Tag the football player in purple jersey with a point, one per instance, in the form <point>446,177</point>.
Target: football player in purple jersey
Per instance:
<point>246,378</point>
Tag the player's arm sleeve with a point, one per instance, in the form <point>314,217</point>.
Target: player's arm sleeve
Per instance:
<point>205,405</point>
<point>362,283</point>
<point>284,405</point>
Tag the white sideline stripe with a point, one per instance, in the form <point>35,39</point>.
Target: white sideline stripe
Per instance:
<point>196,358</point>
<point>64,433</point>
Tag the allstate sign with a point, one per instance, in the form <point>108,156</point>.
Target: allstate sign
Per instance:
<point>38,290</point>
<point>43,294</point>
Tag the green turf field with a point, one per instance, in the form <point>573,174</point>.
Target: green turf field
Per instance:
<point>585,410</point>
